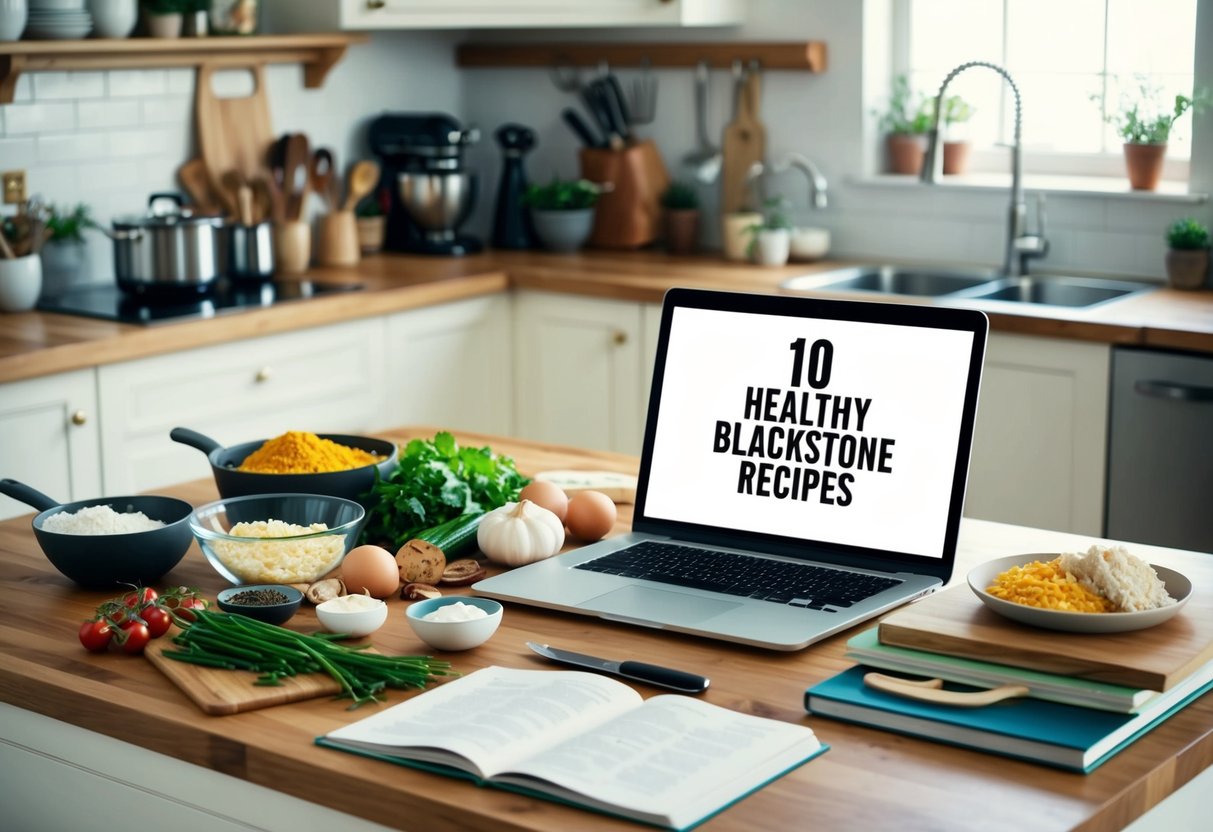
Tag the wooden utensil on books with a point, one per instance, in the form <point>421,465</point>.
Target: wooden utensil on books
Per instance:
<point>745,142</point>
<point>931,690</point>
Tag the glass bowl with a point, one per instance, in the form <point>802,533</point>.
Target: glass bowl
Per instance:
<point>265,551</point>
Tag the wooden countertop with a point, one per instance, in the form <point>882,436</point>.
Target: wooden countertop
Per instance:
<point>869,778</point>
<point>36,343</point>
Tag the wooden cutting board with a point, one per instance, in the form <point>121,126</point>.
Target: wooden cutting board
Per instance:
<point>956,623</point>
<point>745,142</point>
<point>234,134</point>
<point>220,692</point>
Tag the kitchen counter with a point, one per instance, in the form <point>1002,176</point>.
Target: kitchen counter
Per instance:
<point>869,778</point>
<point>35,343</point>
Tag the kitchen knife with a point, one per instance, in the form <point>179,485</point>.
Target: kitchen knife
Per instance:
<point>577,124</point>
<point>650,674</point>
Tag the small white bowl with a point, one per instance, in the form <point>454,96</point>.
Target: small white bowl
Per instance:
<point>356,623</point>
<point>809,244</point>
<point>454,635</point>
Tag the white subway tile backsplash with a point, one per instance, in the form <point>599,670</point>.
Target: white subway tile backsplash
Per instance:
<point>129,82</point>
<point>180,81</point>
<point>143,141</point>
<point>1144,214</point>
<point>108,113</point>
<point>73,147</point>
<point>166,109</point>
<point>21,119</point>
<point>1151,251</point>
<point>60,86</point>
<point>1071,212</point>
<point>17,153</point>
<point>57,184</point>
<point>109,176</point>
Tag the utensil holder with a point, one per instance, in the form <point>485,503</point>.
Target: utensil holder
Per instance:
<point>20,283</point>
<point>337,239</point>
<point>293,246</point>
<point>629,215</point>
<point>251,252</point>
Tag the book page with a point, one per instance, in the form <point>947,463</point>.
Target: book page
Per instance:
<point>673,756</point>
<point>494,717</point>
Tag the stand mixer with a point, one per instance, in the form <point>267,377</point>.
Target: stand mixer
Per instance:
<point>432,194</point>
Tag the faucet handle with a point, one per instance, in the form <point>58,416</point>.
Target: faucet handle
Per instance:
<point>1042,216</point>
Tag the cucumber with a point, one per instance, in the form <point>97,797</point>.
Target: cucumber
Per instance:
<point>454,537</point>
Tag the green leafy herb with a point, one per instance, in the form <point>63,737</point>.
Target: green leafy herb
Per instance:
<point>436,481</point>
<point>1146,116</point>
<point>1187,235</point>
<point>559,195</point>
<point>69,223</point>
<point>680,196</point>
<point>907,112</point>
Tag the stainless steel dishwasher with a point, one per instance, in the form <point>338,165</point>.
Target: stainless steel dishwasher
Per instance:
<point>1160,449</point>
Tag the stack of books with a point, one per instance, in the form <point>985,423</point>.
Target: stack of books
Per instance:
<point>1080,699</point>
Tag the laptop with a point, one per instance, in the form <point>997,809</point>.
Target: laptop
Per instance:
<point>803,470</point>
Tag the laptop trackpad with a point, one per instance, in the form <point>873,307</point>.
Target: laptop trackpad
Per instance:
<point>658,605</point>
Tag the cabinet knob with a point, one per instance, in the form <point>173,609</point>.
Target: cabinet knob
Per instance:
<point>263,375</point>
<point>619,338</point>
<point>79,417</point>
<point>376,4</point>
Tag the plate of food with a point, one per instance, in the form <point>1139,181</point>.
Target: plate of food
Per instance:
<point>1105,590</point>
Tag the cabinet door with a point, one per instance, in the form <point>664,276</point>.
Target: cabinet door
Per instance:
<point>578,371</point>
<point>49,437</point>
<point>1039,449</point>
<point>451,366</point>
<point>324,380</point>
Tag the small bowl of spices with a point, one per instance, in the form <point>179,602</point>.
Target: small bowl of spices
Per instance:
<point>271,603</point>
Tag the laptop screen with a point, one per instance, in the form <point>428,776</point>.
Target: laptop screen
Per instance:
<point>842,423</point>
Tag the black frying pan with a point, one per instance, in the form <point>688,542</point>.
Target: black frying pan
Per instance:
<point>353,484</point>
<point>104,560</point>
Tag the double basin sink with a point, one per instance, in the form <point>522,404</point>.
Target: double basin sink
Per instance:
<point>1073,292</point>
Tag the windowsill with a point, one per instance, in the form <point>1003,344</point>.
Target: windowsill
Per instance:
<point>1116,187</point>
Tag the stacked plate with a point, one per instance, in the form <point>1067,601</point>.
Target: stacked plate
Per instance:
<point>58,20</point>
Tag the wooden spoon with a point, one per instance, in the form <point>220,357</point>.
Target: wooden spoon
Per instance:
<point>363,178</point>
<point>196,180</point>
<point>324,176</point>
<point>232,182</point>
<point>296,175</point>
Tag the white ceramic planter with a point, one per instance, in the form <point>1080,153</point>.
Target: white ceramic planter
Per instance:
<point>13,17</point>
<point>773,246</point>
<point>114,18</point>
<point>164,25</point>
<point>20,283</point>
<point>563,231</point>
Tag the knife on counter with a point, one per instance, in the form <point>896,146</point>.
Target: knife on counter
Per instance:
<point>650,674</point>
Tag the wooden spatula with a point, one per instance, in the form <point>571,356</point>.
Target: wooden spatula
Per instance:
<point>196,181</point>
<point>745,142</point>
<point>363,178</point>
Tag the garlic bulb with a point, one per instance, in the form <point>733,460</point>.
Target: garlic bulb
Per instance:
<point>520,533</point>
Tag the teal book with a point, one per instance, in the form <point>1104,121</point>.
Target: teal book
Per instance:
<point>584,740</point>
<point>866,649</point>
<point>1063,736</point>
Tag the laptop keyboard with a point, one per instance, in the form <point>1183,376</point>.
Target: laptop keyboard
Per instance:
<point>777,581</point>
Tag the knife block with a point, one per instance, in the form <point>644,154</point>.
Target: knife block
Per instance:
<point>629,214</point>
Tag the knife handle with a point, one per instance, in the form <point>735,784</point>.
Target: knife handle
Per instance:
<point>663,677</point>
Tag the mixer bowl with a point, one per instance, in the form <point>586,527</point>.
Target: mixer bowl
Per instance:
<point>437,201</point>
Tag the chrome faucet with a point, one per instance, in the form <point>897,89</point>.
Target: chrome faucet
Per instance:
<point>1022,246</point>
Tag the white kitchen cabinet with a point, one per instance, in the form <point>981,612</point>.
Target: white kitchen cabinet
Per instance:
<point>1039,449</point>
<point>49,438</point>
<point>325,380</point>
<point>578,371</point>
<point>451,366</point>
<point>335,15</point>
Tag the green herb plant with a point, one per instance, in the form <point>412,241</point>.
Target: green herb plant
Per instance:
<point>774,218</point>
<point>955,110</point>
<point>436,481</point>
<point>69,224</point>
<point>369,206</point>
<point>680,196</point>
<point>562,195</point>
<point>1188,234</point>
<point>907,113</point>
<point>1146,117</point>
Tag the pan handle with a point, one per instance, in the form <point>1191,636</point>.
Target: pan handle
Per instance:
<point>195,440</point>
<point>30,496</point>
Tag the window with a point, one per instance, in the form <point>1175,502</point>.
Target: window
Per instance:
<point>1060,53</point>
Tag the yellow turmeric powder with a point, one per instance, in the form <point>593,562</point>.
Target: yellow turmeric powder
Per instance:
<point>299,452</point>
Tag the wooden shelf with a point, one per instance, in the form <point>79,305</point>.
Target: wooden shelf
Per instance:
<point>317,53</point>
<point>806,56</point>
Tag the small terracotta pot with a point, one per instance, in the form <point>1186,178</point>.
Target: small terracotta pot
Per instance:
<point>682,231</point>
<point>955,158</point>
<point>165,25</point>
<point>1187,269</point>
<point>906,152</point>
<point>1144,164</point>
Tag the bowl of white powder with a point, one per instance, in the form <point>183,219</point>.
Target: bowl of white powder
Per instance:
<point>109,540</point>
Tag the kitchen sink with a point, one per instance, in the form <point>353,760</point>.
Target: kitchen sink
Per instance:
<point>1056,291</point>
<point>891,280</point>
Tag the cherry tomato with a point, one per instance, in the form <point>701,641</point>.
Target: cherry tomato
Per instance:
<point>157,620</point>
<point>96,635</point>
<point>186,605</point>
<point>136,636</point>
<point>140,598</point>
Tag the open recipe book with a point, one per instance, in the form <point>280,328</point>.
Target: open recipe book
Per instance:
<point>586,740</point>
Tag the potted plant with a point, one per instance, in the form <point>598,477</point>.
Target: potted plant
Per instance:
<point>905,123</point>
<point>165,17</point>
<point>371,221</point>
<point>563,212</point>
<point>771,239</point>
<point>65,253</point>
<point>1187,254</point>
<point>1144,122</point>
<point>681,204</point>
<point>955,151</point>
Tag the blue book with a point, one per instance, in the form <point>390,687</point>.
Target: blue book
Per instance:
<point>1063,736</point>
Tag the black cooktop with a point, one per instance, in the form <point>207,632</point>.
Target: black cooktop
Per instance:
<point>110,303</point>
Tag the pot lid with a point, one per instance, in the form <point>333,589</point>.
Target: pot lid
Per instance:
<point>165,210</point>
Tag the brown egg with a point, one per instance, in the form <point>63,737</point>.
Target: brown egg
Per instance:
<point>548,495</point>
<point>370,569</point>
<point>591,515</point>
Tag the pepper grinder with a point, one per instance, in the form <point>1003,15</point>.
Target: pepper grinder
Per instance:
<point>512,226</point>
